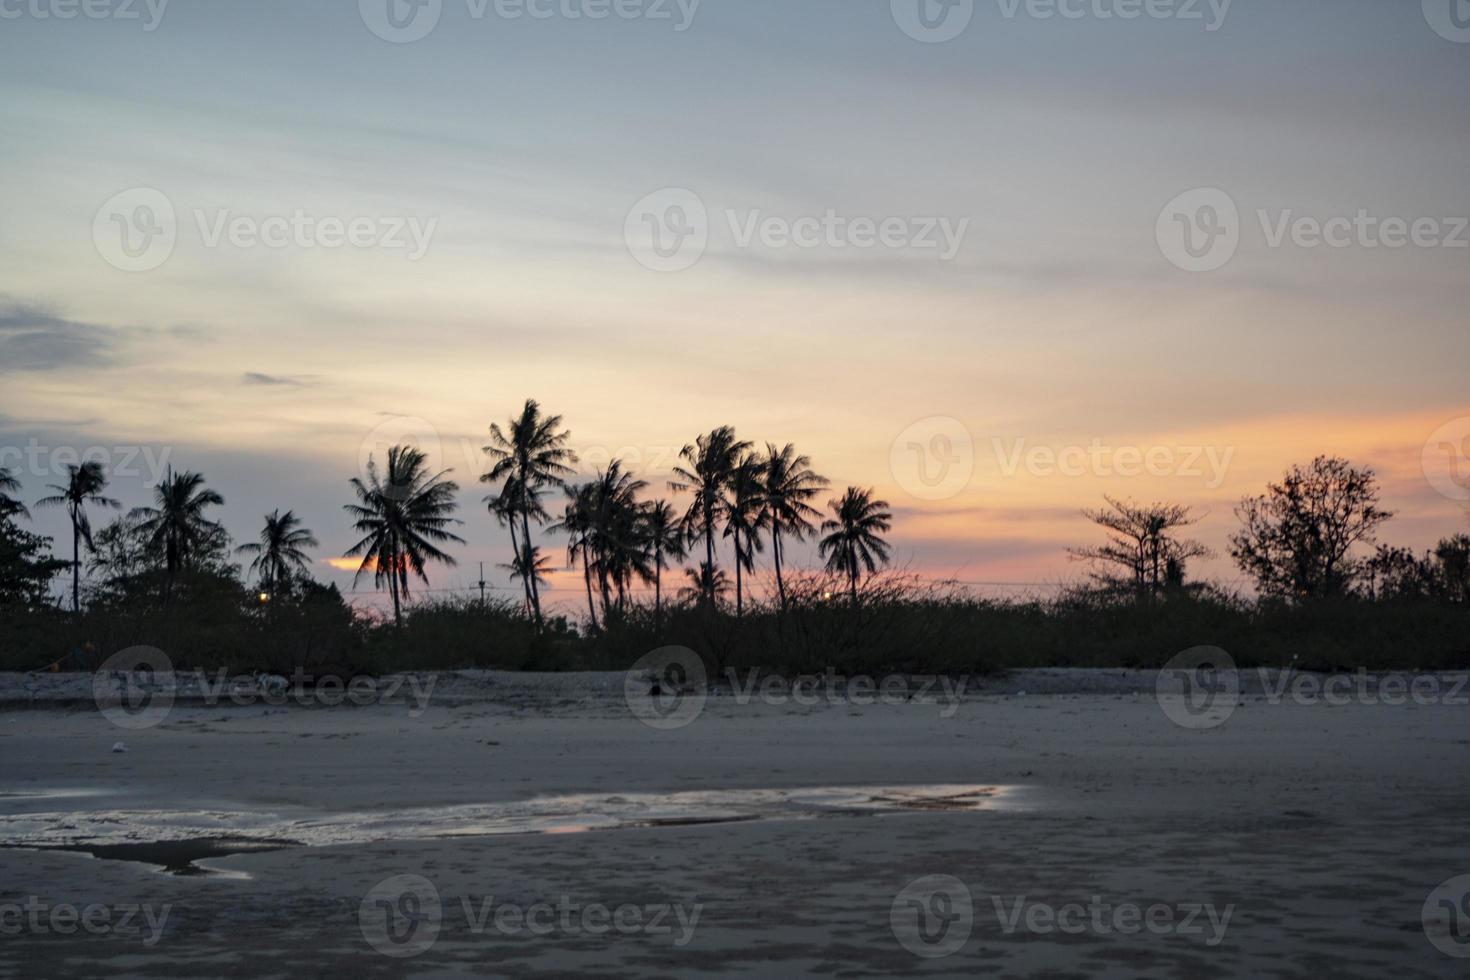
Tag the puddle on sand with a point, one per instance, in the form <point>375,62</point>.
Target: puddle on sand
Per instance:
<point>175,840</point>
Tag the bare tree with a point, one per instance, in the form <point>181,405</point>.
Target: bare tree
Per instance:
<point>1142,555</point>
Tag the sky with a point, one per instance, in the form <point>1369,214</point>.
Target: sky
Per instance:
<point>994,261</point>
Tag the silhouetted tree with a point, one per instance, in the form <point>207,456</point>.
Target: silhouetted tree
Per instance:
<point>708,585</point>
<point>665,537</point>
<point>711,460</point>
<point>176,526</point>
<point>402,517</point>
<point>281,551</point>
<point>84,485</point>
<point>854,541</point>
<point>745,514</point>
<point>10,506</point>
<point>1297,539</point>
<point>532,450</point>
<point>577,523</point>
<point>788,487</point>
<point>1143,547</point>
<point>528,565</point>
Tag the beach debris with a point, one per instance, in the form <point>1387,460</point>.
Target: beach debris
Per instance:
<point>119,747</point>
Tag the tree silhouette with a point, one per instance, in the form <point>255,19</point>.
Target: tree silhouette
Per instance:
<point>711,459</point>
<point>1142,546</point>
<point>529,565</point>
<point>402,517</point>
<point>84,485</point>
<point>176,525</point>
<point>789,485</point>
<point>1297,539</point>
<point>745,514</point>
<point>853,543</point>
<point>577,523</point>
<point>532,450</point>
<point>665,537</point>
<point>281,551</point>
<point>9,505</point>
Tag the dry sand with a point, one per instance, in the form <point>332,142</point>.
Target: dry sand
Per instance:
<point>1323,829</point>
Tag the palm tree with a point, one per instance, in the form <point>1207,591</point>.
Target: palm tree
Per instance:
<point>708,584</point>
<point>176,525</point>
<point>84,485</point>
<point>664,535</point>
<point>402,517</point>
<point>789,486</point>
<point>532,450</point>
<point>281,551</point>
<point>745,514</point>
<point>616,530</point>
<point>540,567</point>
<point>577,523</point>
<point>505,507</point>
<point>711,460</point>
<point>8,504</point>
<point>854,543</point>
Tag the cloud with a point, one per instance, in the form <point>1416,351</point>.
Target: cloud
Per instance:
<point>276,380</point>
<point>34,338</point>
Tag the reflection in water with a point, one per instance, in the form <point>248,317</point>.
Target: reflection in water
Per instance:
<point>179,835</point>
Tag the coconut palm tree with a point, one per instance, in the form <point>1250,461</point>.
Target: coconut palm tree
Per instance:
<point>853,543</point>
<point>577,523</point>
<point>505,507</point>
<point>533,451</point>
<point>711,460</point>
<point>281,551</point>
<point>402,516</point>
<point>664,536</point>
<point>745,515</point>
<point>788,488</point>
<point>8,504</point>
<point>176,524</point>
<point>617,530</point>
<point>708,584</point>
<point>84,485</point>
<point>539,565</point>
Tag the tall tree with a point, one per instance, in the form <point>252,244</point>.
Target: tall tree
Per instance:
<point>532,450</point>
<point>10,506</point>
<point>577,523</point>
<point>505,507</point>
<point>745,515</point>
<point>84,485</point>
<point>1141,546</point>
<point>402,516</point>
<point>665,536</point>
<point>176,526</point>
<point>710,460</point>
<point>1297,539</point>
<point>789,487</point>
<point>854,542</point>
<point>281,552</point>
<point>529,565</point>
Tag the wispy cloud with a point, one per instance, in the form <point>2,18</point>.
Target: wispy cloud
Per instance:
<point>35,338</point>
<point>278,380</point>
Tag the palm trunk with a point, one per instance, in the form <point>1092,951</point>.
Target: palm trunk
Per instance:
<point>587,580</point>
<point>739,594</point>
<point>393,591</point>
<point>709,549</point>
<point>852,573</point>
<point>776,557</point>
<point>76,564</point>
<point>515,550</point>
<point>658,598</point>
<point>531,584</point>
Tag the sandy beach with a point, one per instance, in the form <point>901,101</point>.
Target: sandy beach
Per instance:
<point>1291,841</point>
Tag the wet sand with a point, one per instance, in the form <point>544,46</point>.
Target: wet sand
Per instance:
<point>1323,829</point>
